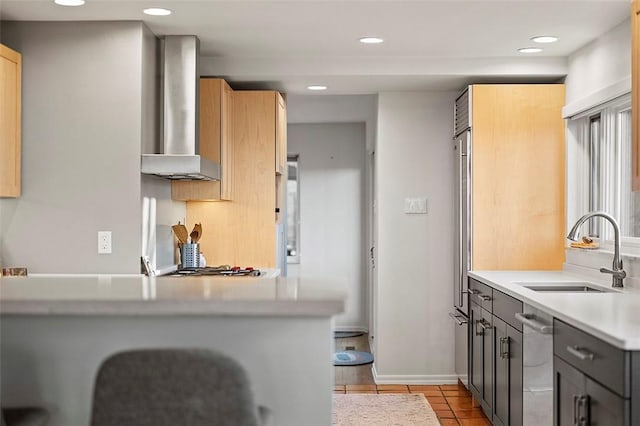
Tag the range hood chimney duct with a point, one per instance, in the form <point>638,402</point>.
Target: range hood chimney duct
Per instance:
<point>180,157</point>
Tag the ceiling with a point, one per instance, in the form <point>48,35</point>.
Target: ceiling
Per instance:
<point>429,45</point>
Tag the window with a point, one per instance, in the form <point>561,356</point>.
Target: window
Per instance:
<point>293,210</point>
<point>603,173</point>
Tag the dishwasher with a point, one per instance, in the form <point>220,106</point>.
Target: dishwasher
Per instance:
<point>537,368</point>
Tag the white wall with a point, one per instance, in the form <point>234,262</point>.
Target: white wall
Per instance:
<point>332,210</point>
<point>89,99</point>
<point>414,158</point>
<point>601,69</point>
<point>335,109</point>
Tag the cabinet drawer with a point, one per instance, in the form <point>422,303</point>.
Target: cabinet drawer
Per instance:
<point>597,359</point>
<point>506,307</point>
<point>481,294</point>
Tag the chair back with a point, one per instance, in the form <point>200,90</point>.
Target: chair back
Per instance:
<point>158,387</point>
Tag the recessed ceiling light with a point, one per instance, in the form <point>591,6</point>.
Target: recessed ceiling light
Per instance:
<point>544,39</point>
<point>157,11</point>
<point>530,50</point>
<point>69,2</point>
<point>317,87</point>
<point>371,40</point>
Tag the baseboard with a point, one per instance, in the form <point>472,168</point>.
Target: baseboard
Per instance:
<point>351,328</point>
<point>435,379</point>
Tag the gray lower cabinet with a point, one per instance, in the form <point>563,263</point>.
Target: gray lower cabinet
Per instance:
<point>578,400</point>
<point>495,354</point>
<point>592,380</point>
<point>481,356</point>
<point>507,404</point>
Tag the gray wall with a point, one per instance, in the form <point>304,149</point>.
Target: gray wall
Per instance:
<point>81,144</point>
<point>332,210</point>
<point>414,158</point>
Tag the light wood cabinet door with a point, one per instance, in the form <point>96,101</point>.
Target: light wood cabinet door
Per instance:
<point>281,134</point>
<point>242,232</point>
<point>635,90</point>
<point>10,121</point>
<point>216,143</point>
<point>518,177</point>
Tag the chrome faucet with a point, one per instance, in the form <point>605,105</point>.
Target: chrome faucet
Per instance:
<point>616,271</point>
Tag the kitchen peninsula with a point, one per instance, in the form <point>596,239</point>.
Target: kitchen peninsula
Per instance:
<point>57,329</point>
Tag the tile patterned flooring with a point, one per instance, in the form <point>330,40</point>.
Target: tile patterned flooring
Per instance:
<point>452,403</point>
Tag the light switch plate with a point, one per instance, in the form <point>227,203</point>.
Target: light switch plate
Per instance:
<point>415,205</point>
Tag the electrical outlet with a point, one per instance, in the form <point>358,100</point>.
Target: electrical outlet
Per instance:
<point>104,242</point>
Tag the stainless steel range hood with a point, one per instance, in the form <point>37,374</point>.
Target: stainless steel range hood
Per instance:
<point>180,157</point>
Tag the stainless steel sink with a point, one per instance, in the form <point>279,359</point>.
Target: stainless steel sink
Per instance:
<point>564,287</point>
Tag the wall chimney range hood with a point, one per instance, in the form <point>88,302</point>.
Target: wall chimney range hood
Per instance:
<point>180,158</point>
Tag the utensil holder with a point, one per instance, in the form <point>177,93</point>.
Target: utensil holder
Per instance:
<point>190,255</point>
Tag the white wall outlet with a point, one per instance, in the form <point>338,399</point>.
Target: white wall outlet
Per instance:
<point>104,242</point>
<point>415,205</point>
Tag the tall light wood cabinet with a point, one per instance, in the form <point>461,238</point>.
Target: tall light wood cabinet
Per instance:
<point>635,90</point>
<point>10,121</point>
<point>242,232</point>
<point>518,177</point>
<point>216,143</point>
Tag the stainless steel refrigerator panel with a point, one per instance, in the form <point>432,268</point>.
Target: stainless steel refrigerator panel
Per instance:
<point>462,253</point>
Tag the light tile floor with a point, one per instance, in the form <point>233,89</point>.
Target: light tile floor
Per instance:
<point>452,403</point>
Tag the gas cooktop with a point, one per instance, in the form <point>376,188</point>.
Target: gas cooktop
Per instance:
<point>224,270</point>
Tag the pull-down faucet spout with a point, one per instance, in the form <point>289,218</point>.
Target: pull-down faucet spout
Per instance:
<point>618,274</point>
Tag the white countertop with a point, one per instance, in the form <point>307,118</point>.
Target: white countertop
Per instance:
<point>180,296</point>
<point>613,316</point>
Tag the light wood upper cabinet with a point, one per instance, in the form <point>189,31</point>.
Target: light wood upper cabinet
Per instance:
<point>281,134</point>
<point>635,90</point>
<point>10,121</point>
<point>518,175</point>
<point>216,143</point>
<point>242,232</point>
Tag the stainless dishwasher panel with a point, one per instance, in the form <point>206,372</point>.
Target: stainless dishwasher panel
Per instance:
<point>537,369</point>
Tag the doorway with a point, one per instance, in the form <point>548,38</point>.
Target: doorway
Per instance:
<point>332,243</point>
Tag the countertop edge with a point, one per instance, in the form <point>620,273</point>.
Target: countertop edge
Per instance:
<point>227,308</point>
<point>625,344</point>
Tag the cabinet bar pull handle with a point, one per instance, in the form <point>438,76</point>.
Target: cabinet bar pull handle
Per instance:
<point>575,410</point>
<point>457,319</point>
<point>584,418</point>
<point>485,297</point>
<point>528,319</point>
<point>580,353</point>
<point>473,291</point>
<point>504,353</point>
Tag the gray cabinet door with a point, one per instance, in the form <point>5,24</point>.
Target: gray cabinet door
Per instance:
<point>481,356</point>
<point>501,374</point>
<point>603,407</point>
<point>581,401</point>
<point>568,385</point>
<point>507,403</point>
<point>487,361</point>
<point>515,376</point>
<point>475,351</point>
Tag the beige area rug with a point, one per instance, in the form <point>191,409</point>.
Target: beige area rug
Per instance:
<point>383,410</point>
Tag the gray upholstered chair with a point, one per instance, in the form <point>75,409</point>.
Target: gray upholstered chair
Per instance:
<point>187,387</point>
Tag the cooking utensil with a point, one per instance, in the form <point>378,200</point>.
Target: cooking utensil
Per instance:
<point>181,233</point>
<point>198,228</point>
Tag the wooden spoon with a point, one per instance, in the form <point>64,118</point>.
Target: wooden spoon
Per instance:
<point>181,233</point>
<point>198,229</point>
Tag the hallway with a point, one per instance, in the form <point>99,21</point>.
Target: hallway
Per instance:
<point>452,403</point>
